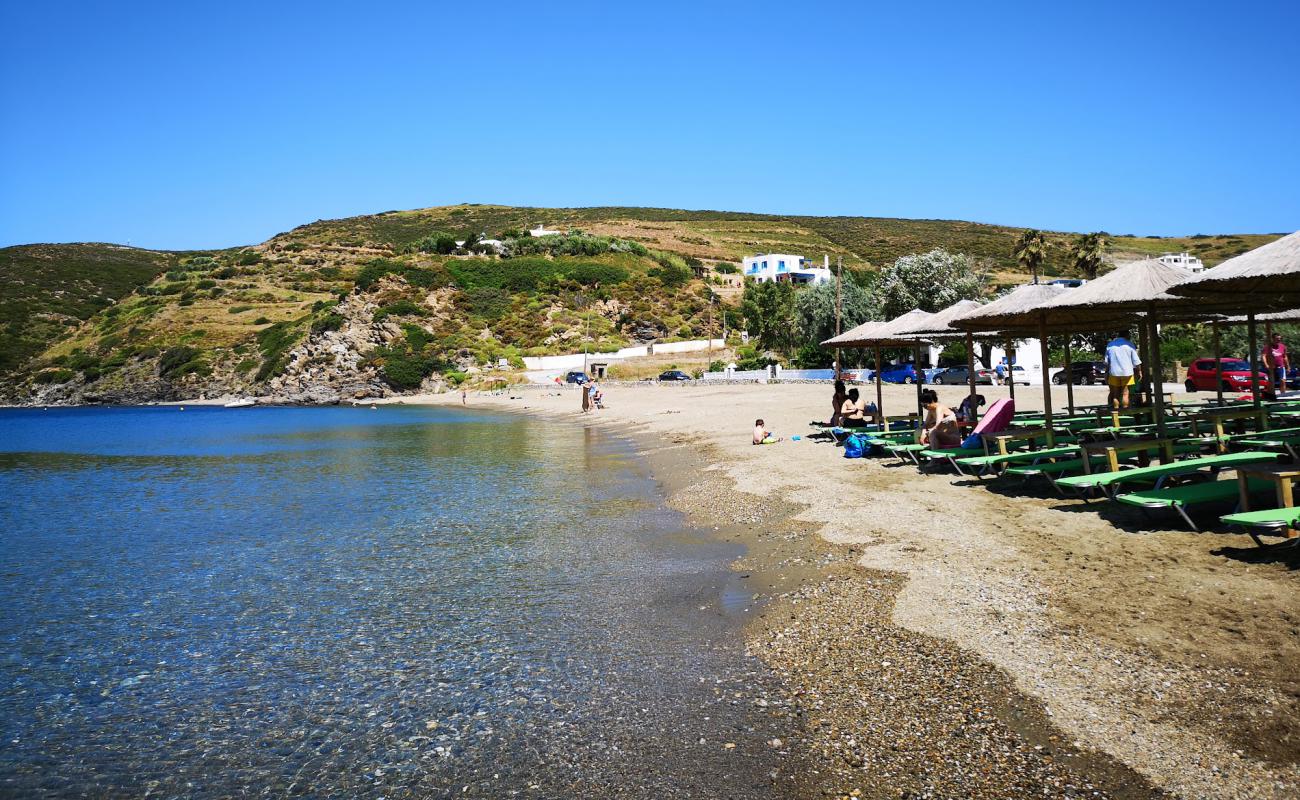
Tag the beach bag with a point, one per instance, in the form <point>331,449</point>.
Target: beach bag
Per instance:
<point>855,446</point>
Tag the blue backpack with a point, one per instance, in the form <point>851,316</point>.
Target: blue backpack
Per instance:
<point>855,446</point>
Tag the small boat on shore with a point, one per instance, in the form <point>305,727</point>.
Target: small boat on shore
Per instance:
<point>243,402</point>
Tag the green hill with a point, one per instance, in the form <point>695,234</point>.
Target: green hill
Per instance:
<point>46,290</point>
<point>387,302</point>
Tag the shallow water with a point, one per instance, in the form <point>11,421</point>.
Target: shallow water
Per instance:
<point>345,601</point>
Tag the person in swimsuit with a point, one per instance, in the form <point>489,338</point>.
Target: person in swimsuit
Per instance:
<point>940,422</point>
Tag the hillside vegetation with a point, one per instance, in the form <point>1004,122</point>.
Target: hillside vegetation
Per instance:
<point>46,290</point>
<point>385,303</point>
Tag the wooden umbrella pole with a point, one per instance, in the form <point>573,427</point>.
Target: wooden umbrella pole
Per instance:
<point>1218,363</point>
<point>1157,377</point>
<point>1011,372</point>
<point>970,375</point>
<point>920,375</point>
<point>1268,343</point>
<point>880,395</point>
<point>1047,384</point>
<point>1068,378</point>
<point>1254,357</point>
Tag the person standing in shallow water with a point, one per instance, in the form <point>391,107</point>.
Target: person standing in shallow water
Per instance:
<point>586,398</point>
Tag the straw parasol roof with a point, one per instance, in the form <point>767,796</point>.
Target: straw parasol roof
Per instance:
<point>1108,301</point>
<point>937,323</point>
<point>1010,312</point>
<point>880,334</point>
<point>1269,276</point>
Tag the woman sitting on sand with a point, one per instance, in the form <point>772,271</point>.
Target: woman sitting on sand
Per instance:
<point>851,414</point>
<point>940,423</point>
<point>837,403</point>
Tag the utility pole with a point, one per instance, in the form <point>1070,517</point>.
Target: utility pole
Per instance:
<point>708,331</point>
<point>839,275</point>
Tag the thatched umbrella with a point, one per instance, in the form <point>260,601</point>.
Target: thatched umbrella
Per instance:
<point>1019,312</point>
<point>938,326</point>
<point>1265,278</point>
<point>883,334</point>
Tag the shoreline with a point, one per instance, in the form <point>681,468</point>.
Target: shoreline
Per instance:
<point>1133,716</point>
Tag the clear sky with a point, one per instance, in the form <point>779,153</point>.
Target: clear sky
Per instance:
<point>179,124</point>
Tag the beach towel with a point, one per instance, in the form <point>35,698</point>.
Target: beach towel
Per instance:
<point>997,419</point>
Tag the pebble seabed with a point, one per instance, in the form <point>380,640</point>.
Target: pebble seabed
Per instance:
<point>877,711</point>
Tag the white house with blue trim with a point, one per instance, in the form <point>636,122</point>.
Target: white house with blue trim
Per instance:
<point>784,267</point>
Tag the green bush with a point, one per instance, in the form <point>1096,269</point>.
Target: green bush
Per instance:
<point>238,309</point>
<point>275,342</point>
<point>327,322</point>
<point>205,284</point>
<point>403,368</point>
<point>248,258</point>
<point>488,302</point>
<point>528,274</point>
<point>261,321</point>
<point>174,358</point>
<point>54,376</point>
<point>416,336</point>
<point>436,242</point>
<point>400,308</point>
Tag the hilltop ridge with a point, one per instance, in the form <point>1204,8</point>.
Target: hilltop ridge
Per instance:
<point>387,303</point>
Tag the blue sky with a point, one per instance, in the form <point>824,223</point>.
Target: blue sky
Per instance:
<point>178,125</point>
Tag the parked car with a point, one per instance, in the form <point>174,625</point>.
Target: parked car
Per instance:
<point>1088,372</point>
<point>577,376</point>
<point>960,376</point>
<point>674,375</point>
<point>1202,376</point>
<point>901,373</point>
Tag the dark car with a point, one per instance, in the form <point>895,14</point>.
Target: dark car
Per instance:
<point>960,376</point>
<point>1088,372</point>
<point>1203,374</point>
<point>577,376</point>
<point>674,375</point>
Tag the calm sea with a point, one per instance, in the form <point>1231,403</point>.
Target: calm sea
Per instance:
<point>403,602</point>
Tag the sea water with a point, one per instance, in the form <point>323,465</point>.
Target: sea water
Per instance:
<point>401,602</point>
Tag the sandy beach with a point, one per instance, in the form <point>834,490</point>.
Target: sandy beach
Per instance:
<point>939,638</point>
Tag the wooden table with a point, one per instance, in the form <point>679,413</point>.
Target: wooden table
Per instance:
<point>1112,449</point>
<point>1217,416</point>
<point>1282,475</point>
<point>1030,435</point>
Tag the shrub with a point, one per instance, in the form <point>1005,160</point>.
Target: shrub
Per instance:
<point>327,322</point>
<point>726,268</point>
<point>416,336</point>
<point>275,342</point>
<point>205,284</point>
<point>54,376</point>
<point>436,242</point>
<point>91,374</point>
<point>173,358</point>
<point>238,309</point>
<point>372,271</point>
<point>401,307</point>
<point>261,321</point>
<point>247,258</point>
<point>224,272</point>
<point>403,368</point>
<point>488,302</point>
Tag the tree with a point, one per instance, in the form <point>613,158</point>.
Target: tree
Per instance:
<point>930,281</point>
<point>814,310</point>
<point>1031,251</point>
<point>1087,253</point>
<point>767,309</point>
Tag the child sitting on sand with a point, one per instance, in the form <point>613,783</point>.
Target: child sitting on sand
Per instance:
<point>762,435</point>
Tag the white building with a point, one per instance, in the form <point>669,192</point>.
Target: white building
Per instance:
<point>766,267</point>
<point>1185,260</point>
<point>542,231</point>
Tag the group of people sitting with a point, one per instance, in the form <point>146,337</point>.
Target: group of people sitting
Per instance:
<point>850,410</point>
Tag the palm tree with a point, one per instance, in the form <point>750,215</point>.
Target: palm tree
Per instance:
<point>1031,251</point>
<point>1087,253</point>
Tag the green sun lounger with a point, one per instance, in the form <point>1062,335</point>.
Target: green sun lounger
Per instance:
<point>1109,482</point>
<point>981,464</point>
<point>1274,521</point>
<point>1050,468</point>
<point>1181,498</point>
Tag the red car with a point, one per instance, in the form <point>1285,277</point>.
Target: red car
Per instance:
<point>1236,376</point>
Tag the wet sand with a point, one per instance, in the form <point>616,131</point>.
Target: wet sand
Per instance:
<point>940,638</point>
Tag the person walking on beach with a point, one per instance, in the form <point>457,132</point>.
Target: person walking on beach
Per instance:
<point>1276,360</point>
<point>463,395</point>
<point>1000,371</point>
<point>1122,363</point>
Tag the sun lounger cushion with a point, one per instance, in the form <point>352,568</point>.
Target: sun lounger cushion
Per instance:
<point>1020,455</point>
<point>1190,494</point>
<point>1264,518</point>
<point>1100,479</point>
